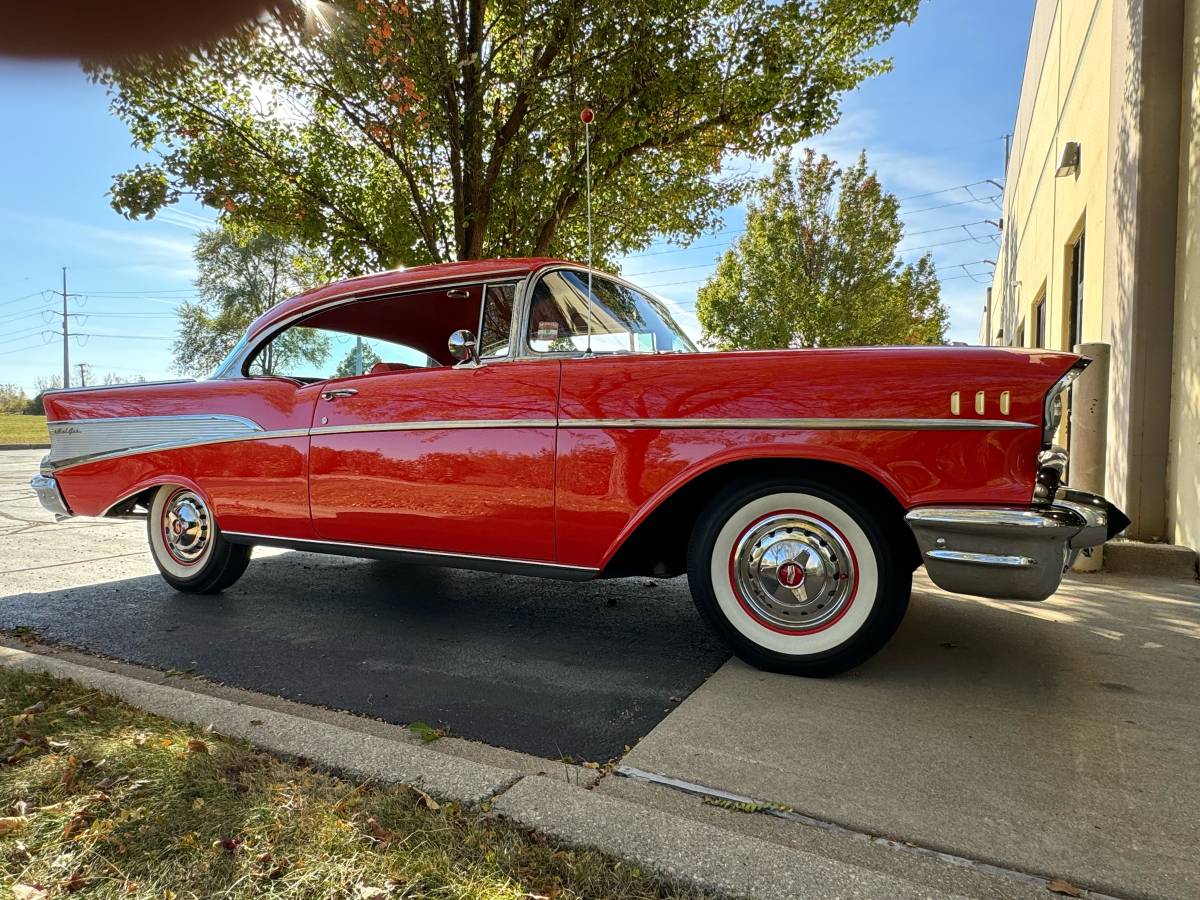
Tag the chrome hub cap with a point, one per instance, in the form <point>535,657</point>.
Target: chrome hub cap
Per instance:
<point>793,571</point>
<point>185,527</point>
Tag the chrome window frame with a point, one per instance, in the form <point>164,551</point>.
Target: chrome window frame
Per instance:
<point>235,367</point>
<point>527,351</point>
<point>518,284</point>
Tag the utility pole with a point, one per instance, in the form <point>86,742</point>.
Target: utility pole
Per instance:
<point>83,373</point>
<point>66,335</point>
<point>66,332</point>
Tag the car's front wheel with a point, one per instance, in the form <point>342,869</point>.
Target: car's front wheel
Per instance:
<point>187,545</point>
<point>797,576</point>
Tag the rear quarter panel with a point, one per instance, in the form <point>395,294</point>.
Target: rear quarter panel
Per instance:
<point>257,485</point>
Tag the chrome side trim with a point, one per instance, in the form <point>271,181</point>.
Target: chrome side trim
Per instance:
<point>449,424</point>
<point>123,384</point>
<point>76,442</point>
<point>813,424</point>
<point>74,439</point>
<point>50,464</point>
<point>503,564</point>
<point>983,559</point>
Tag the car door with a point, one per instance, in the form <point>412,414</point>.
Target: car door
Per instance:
<point>451,459</point>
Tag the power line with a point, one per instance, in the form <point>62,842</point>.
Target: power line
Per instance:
<point>23,349</point>
<point>22,335</point>
<point>14,317</point>
<point>977,200</point>
<point>25,297</point>
<point>957,187</point>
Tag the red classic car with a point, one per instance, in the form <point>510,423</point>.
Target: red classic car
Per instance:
<point>570,429</point>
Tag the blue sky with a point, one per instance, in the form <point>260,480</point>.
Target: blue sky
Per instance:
<point>932,125</point>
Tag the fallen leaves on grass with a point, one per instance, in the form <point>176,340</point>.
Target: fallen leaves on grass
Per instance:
<point>113,794</point>
<point>378,832</point>
<point>12,823</point>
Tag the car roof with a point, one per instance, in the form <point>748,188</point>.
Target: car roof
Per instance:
<point>431,276</point>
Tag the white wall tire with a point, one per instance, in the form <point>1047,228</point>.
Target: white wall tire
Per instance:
<point>797,576</point>
<point>186,543</point>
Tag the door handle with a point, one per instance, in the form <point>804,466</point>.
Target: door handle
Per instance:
<point>338,392</point>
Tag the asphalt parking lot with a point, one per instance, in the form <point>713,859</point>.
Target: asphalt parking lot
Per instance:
<point>555,669</point>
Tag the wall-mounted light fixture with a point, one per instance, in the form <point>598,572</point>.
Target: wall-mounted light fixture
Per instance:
<point>1068,163</point>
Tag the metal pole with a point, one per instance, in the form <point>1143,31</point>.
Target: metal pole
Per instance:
<point>1089,434</point>
<point>66,335</point>
<point>587,153</point>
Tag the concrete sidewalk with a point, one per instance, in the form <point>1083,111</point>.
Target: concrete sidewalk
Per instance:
<point>1060,738</point>
<point>683,841</point>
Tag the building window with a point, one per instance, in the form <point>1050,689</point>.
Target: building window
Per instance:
<point>1075,296</point>
<point>1039,321</point>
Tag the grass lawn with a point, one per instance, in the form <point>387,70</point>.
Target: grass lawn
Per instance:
<point>23,430</point>
<point>104,799</point>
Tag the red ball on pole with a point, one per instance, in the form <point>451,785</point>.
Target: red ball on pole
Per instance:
<point>586,116</point>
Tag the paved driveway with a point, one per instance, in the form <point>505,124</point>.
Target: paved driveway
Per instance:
<point>546,667</point>
<point>1060,738</point>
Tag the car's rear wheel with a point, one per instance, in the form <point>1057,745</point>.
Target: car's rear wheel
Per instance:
<point>187,545</point>
<point>797,576</point>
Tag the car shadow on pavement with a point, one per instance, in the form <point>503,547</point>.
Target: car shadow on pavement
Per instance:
<point>546,667</point>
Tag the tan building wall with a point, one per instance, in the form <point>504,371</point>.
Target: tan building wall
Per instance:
<point>1183,485</point>
<point>1106,75</point>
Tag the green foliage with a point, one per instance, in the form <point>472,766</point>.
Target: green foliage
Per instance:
<point>349,365</point>
<point>385,132</point>
<point>240,277</point>
<point>36,406</point>
<point>13,400</point>
<point>817,267</point>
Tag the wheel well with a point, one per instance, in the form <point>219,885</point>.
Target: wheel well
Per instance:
<point>658,546</point>
<point>126,508</point>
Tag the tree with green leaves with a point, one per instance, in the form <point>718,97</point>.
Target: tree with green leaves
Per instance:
<point>389,132</point>
<point>239,277</point>
<point>357,361</point>
<point>818,267</point>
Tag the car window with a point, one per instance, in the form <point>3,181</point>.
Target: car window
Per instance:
<point>319,354</point>
<point>496,326</point>
<point>623,319</point>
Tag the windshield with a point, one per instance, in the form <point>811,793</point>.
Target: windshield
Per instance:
<point>622,318</point>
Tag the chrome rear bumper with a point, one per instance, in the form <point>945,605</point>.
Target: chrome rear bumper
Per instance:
<point>1011,553</point>
<point>50,496</point>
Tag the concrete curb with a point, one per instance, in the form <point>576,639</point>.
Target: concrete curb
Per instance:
<point>24,446</point>
<point>1158,560</point>
<point>678,849</point>
<point>361,755</point>
<point>684,850</point>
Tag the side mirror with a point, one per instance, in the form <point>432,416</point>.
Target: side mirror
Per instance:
<point>464,347</point>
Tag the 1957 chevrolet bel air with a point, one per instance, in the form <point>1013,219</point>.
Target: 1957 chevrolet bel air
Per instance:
<point>570,429</point>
